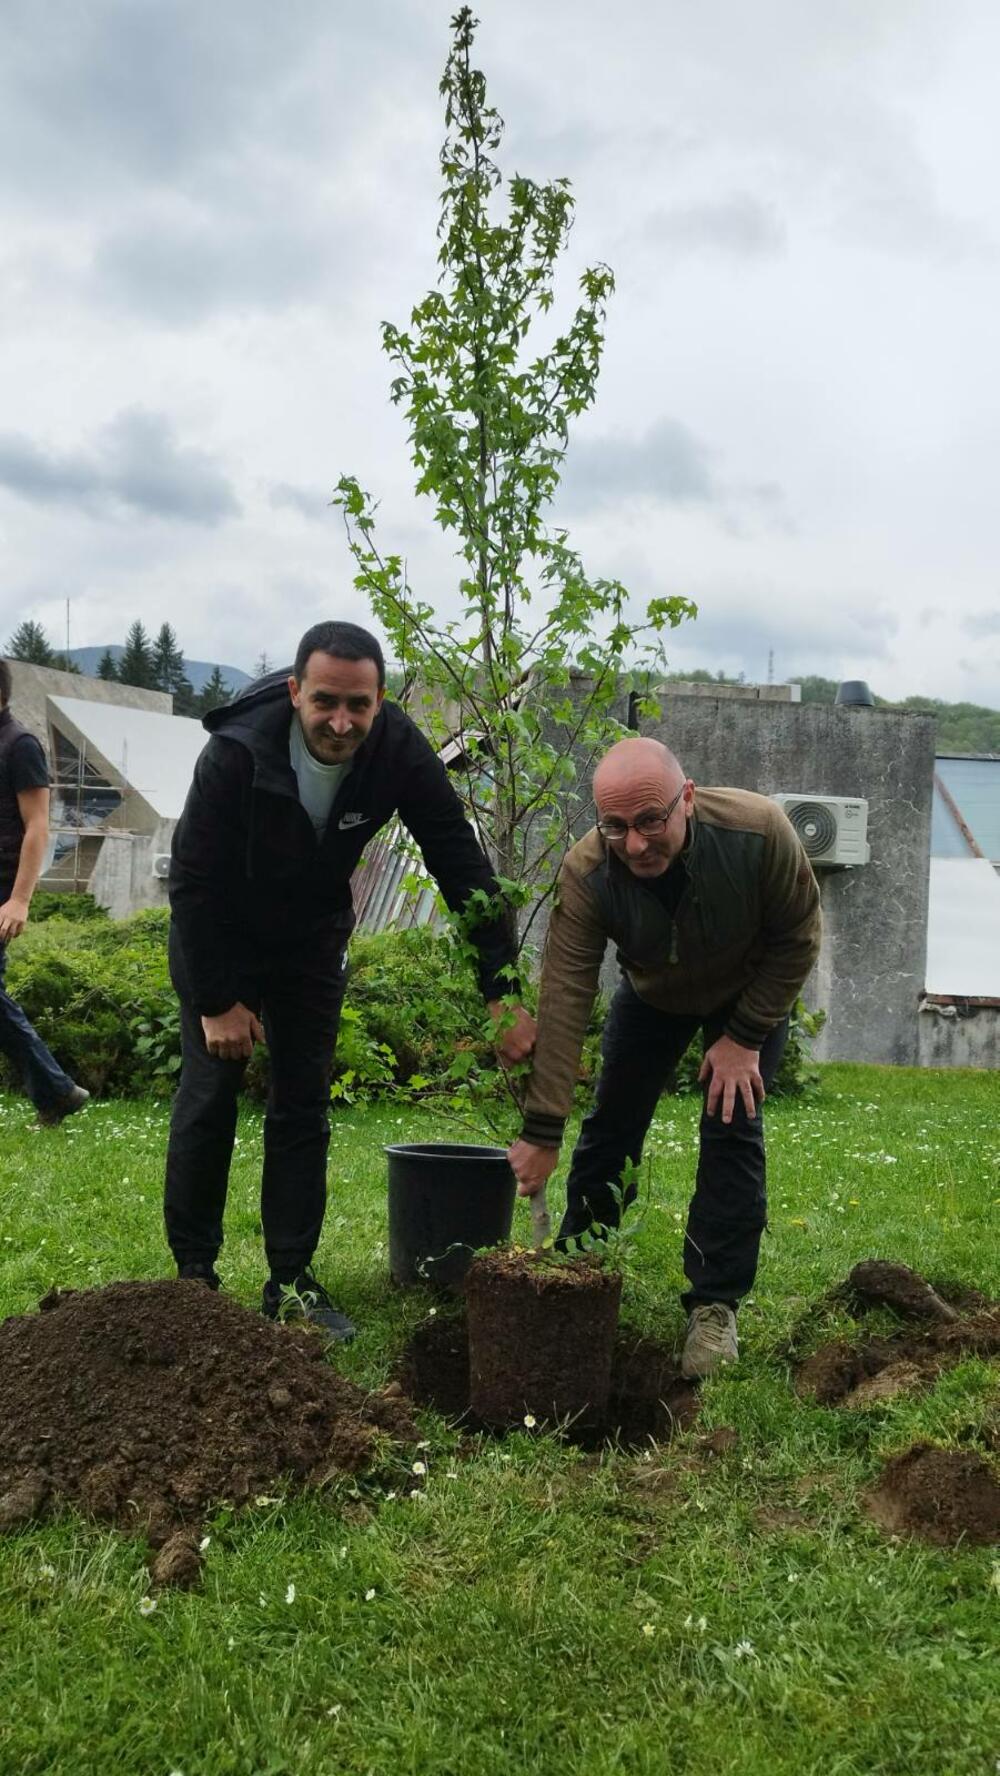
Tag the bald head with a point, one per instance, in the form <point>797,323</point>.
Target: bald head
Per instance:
<point>635,766</point>
<point>644,803</point>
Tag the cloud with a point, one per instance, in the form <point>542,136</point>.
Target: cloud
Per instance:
<point>982,623</point>
<point>134,463</point>
<point>669,465</point>
<point>162,92</point>
<point>739,226</point>
<point>309,502</point>
<point>181,267</point>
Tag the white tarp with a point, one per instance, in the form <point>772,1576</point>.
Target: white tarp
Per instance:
<point>963,928</point>
<point>155,754</point>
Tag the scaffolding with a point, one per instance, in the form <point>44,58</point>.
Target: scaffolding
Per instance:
<point>86,808</point>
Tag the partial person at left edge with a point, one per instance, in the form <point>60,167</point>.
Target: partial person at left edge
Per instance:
<point>301,772</point>
<point>24,835</point>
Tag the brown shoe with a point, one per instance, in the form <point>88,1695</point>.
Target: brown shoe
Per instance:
<point>710,1342</point>
<point>54,1114</point>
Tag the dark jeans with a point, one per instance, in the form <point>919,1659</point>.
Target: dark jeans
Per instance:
<point>44,1080</point>
<point>299,1000</point>
<point>728,1211</point>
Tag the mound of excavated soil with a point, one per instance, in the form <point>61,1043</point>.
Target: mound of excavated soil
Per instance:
<point>943,1495</point>
<point>144,1404</point>
<point>649,1400</point>
<point>877,1369</point>
<point>877,1283</point>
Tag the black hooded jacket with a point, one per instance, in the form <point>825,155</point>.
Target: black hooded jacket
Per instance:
<point>248,876</point>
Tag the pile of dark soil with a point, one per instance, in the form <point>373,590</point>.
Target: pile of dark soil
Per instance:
<point>145,1404</point>
<point>942,1495</point>
<point>941,1326</point>
<point>649,1399</point>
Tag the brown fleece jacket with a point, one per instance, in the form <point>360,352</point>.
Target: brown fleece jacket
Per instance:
<point>745,933</point>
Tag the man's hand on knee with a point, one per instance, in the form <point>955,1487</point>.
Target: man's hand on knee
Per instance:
<point>231,1036</point>
<point>731,1068</point>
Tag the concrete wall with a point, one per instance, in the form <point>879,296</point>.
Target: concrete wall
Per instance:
<point>870,975</point>
<point>123,881</point>
<point>959,1035</point>
<point>32,684</point>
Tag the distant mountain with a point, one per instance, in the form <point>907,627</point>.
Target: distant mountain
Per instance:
<point>198,671</point>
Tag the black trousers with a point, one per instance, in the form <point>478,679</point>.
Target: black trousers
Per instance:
<point>298,999</point>
<point>728,1211</point>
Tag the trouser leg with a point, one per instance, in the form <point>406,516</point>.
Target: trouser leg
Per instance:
<point>44,1080</point>
<point>728,1211</point>
<point>301,1012</point>
<point>640,1047</point>
<point>200,1149</point>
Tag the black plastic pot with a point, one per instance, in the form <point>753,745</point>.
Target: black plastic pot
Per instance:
<point>446,1201</point>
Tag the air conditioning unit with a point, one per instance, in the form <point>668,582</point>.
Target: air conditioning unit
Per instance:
<point>833,829</point>
<point>161,865</point>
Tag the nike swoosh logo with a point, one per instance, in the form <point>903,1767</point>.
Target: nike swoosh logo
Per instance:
<point>348,820</point>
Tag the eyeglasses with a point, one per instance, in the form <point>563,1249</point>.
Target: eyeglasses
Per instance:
<point>648,826</point>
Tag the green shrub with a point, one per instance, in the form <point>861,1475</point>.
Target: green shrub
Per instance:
<point>98,992</point>
<point>79,909</point>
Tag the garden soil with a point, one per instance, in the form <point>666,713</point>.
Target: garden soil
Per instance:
<point>939,1326</point>
<point>648,1401</point>
<point>945,1496</point>
<point>145,1404</point>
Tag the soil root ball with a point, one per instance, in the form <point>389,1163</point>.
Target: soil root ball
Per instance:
<point>146,1404</point>
<point>944,1496</point>
<point>648,1403</point>
<point>541,1338</point>
<point>877,1283</point>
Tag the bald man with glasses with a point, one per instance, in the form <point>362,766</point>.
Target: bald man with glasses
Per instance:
<point>714,908</point>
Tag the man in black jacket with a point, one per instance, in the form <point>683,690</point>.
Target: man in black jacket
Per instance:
<point>24,833</point>
<point>300,773</point>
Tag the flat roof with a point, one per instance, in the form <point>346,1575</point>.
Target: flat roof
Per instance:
<point>154,754</point>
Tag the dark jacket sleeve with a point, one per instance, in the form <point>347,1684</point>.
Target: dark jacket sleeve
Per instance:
<point>432,812</point>
<point>207,861</point>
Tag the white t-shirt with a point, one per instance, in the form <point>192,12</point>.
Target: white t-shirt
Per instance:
<point>318,783</point>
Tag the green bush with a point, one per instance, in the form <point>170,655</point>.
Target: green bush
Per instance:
<point>79,909</point>
<point>99,994</point>
<point>92,988</point>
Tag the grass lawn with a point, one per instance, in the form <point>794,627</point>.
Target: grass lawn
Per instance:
<point>532,1608</point>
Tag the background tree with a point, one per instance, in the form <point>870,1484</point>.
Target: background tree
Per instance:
<point>489,426</point>
<point>168,661</point>
<point>29,642</point>
<point>137,665</point>
<point>106,667</point>
<point>263,666</point>
<point>214,692</point>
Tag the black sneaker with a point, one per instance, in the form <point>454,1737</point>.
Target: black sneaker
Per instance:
<point>199,1273</point>
<point>54,1114</point>
<point>306,1299</point>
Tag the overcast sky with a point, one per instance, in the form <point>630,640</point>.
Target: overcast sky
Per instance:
<point>208,209</point>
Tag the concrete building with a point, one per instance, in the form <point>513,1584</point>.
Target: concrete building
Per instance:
<point>870,974</point>
<point>120,764</point>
